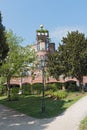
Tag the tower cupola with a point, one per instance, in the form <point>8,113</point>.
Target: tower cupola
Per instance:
<point>42,37</point>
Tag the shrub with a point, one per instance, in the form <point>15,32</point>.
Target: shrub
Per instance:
<point>58,85</point>
<point>37,88</point>
<point>51,86</point>
<point>14,93</point>
<point>2,90</point>
<point>59,94</point>
<point>48,93</point>
<point>71,86</point>
<point>26,88</point>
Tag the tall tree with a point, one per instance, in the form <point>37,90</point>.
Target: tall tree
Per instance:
<point>53,65</point>
<point>13,61</point>
<point>31,59</point>
<point>17,60</point>
<point>71,57</point>
<point>3,43</point>
<point>73,52</point>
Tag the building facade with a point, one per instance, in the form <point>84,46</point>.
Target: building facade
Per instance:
<point>43,44</point>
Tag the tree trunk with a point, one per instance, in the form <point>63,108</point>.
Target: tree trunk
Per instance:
<point>20,89</point>
<point>8,89</point>
<point>81,84</point>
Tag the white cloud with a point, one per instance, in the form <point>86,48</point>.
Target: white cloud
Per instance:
<point>57,33</point>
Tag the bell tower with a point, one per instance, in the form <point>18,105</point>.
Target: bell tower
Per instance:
<point>43,44</point>
<point>42,37</point>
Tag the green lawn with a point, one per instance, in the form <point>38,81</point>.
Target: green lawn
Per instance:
<point>31,105</point>
<point>83,125</point>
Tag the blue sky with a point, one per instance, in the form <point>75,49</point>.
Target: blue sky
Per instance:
<point>58,16</point>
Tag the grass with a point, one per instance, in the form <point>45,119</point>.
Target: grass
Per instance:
<point>83,125</point>
<point>31,105</point>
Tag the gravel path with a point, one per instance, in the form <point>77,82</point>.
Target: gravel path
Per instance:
<point>69,120</point>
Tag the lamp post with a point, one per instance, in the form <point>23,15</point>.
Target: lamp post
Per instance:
<point>43,72</point>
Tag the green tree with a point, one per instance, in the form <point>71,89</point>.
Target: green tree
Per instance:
<point>13,61</point>
<point>73,55</point>
<point>54,65</point>
<point>3,43</point>
<point>18,59</point>
<point>29,57</point>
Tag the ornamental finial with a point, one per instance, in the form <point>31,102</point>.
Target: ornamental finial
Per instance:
<point>41,26</point>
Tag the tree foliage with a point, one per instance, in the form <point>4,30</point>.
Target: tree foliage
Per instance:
<point>73,52</point>
<point>17,60</point>
<point>14,58</point>
<point>71,57</point>
<point>3,43</point>
<point>53,65</point>
<point>13,61</point>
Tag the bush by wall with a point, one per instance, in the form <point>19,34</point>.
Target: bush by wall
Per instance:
<point>26,89</point>
<point>2,90</point>
<point>37,88</point>
<point>14,93</point>
<point>71,86</point>
<point>59,94</point>
<point>51,86</point>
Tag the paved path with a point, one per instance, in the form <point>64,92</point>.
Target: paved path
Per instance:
<point>69,120</point>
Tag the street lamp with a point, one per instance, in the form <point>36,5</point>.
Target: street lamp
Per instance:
<point>43,74</point>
